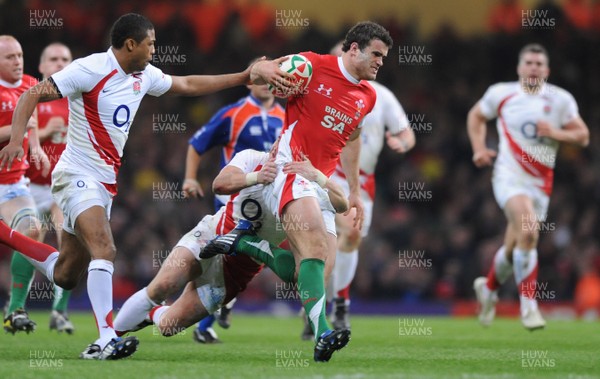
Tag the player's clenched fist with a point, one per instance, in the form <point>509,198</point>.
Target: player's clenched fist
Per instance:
<point>483,158</point>
<point>267,173</point>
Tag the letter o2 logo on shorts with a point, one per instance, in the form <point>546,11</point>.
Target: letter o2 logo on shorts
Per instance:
<point>81,184</point>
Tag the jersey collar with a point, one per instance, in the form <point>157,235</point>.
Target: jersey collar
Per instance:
<point>345,72</point>
<point>115,61</point>
<point>17,84</point>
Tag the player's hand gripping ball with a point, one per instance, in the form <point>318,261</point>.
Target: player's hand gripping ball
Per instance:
<point>301,69</point>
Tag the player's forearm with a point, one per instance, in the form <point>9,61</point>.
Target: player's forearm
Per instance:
<point>229,182</point>
<point>579,137</point>
<point>197,85</point>
<point>476,129</point>
<point>23,111</point>
<point>336,196</point>
<point>192,162</point>
<point>34,139</point>
<point>350,164</point>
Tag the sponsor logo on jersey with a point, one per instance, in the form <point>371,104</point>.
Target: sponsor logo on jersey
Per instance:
<point>137,87</point>
<point>324,91</point>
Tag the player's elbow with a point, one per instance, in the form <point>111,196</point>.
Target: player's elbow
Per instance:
<point>341,205</point>
<point>221,186</point>
<point>584,141</point>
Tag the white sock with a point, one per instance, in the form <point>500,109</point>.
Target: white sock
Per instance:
<point>134,311</point>
<point>100,292</point>
<point>46,267</point>
<point>344,268</point>
<point>502,266</point>
<point>525,269</point>
<point>157,314</point>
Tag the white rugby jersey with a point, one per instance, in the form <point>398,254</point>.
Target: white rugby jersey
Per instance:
<point>248,204</point>
<point>387,113</point>
<point>103,101</point>
<point>521,151</point>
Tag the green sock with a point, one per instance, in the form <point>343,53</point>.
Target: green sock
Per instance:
<point>279,260</point>
<point>22,274</point>
<point>311,288</point>
<point>61,299</point>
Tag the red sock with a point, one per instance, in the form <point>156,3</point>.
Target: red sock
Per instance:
<point>492,281</point>
<point>23,244</point>
<point>344,293</point>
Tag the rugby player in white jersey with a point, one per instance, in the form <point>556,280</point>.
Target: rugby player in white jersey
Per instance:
<point>533,118</point>
<point>104,92</point>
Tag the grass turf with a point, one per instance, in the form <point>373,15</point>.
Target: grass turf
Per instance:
<point>268,347</point>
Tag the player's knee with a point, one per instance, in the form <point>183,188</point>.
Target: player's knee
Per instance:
<point>529,236</point>
<point>159,291</point>
<point>65,281</point>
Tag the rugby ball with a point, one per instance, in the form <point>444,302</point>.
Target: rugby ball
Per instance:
<point>301,69</point>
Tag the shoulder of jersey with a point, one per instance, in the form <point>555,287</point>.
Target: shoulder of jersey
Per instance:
<point>505,87</point>
<point>97,63</point>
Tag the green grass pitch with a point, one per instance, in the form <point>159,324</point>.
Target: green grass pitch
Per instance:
<point>269,347</point>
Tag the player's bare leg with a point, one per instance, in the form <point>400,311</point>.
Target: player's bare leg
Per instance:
<point>524,222</point>
<point>183,313</point>
<point>177,269</point>
<point>93,232</point>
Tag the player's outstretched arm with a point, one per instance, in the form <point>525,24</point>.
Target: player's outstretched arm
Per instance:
<point>575,132</point>
<point>41,92</point>
<point>265,72</point>
<point>476,129</point>
<point>232,179</point>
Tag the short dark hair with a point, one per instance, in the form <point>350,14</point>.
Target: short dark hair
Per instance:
<point>130,25</point>
<point>365,31</point>
<point>534,48</point>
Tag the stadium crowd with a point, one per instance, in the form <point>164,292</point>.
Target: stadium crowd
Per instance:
<point>449,220</point>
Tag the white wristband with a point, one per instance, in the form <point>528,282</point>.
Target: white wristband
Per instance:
<point>251,178</point>
<point>321,179</point>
